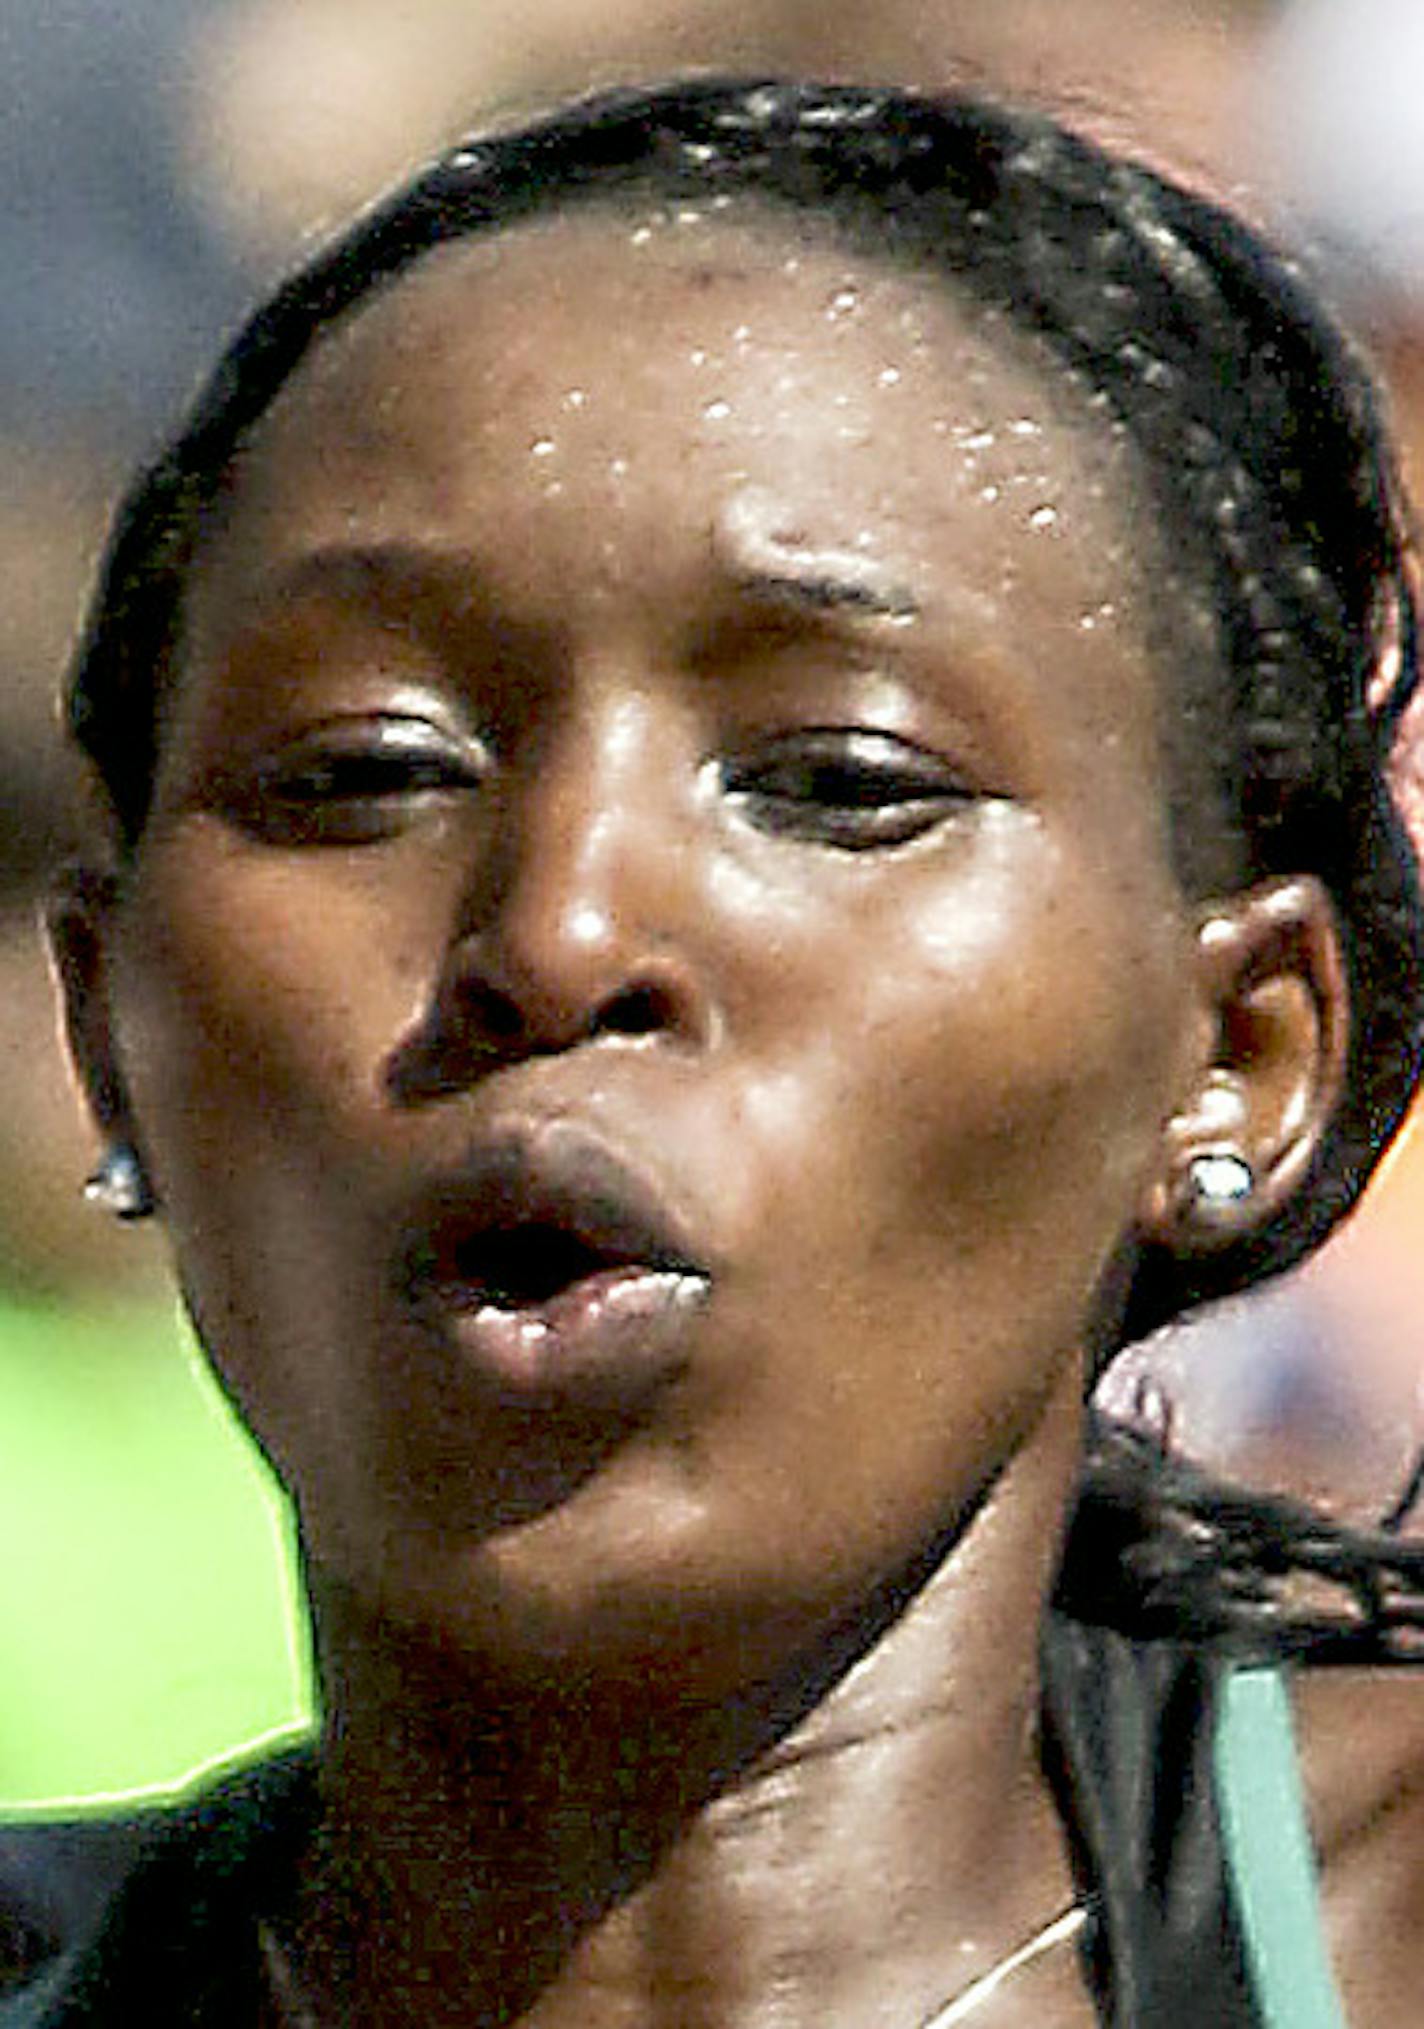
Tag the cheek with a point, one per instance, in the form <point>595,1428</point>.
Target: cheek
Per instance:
<point>986,1084</point>
<point>260,1000</point>
<point>939,1148</point>
<point>258,1004</point>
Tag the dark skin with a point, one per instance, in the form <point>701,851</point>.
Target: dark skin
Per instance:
<point>1364,1776</point>
<point>727,763</point>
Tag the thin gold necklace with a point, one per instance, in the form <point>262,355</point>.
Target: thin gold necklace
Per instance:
<point>1060,1929</point>
<point>296,2011</point>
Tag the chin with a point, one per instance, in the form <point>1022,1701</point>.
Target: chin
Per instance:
<point>610,1587</point>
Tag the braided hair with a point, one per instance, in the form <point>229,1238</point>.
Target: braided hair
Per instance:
<point>1253,421</point>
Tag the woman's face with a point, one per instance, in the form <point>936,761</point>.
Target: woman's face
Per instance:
<point>653,983</point>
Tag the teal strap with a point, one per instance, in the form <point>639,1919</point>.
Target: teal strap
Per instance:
<point>1269,1855</point>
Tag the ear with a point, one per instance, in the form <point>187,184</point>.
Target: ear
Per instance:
<point>1268,1072</point>
<point>79,924</point>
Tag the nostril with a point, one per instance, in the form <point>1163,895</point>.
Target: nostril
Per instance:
<point>637,1011</point>
<point>497,1015</point>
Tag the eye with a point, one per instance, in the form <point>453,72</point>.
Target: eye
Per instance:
<point>357,780</point>
<point>845,787</point>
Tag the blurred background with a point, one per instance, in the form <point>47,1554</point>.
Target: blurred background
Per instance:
<point>163,160</point>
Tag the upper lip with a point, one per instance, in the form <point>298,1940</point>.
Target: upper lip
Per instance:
<point>553,1183</point>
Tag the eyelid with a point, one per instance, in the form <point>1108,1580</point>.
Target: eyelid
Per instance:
<point>901,790</point>
<point>871,748</point>
<point>379,736</point>
<point>351,778</point>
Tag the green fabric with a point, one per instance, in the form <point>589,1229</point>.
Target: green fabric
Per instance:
<point>1269,1854</point>
<point>149,1621</point>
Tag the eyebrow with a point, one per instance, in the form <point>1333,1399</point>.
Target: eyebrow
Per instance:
<point>829,582</point>
<point>824,581</point>
<point>769,568</point>
<point>354,568</point>
<point>773,562</point>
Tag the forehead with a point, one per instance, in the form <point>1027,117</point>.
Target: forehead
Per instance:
<point>596,399</point>
<point>677,304</point>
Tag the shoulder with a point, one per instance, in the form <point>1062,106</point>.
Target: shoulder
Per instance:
<point>1362,1741</point>
<point>168,1934</point>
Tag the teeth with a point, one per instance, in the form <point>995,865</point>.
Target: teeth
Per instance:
<point>631,1287</point>
<point>532,1331</point>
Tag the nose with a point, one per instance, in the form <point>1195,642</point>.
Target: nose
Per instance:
<point>576,927</point>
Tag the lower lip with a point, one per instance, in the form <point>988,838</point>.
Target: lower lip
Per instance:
<point>608,1340</point>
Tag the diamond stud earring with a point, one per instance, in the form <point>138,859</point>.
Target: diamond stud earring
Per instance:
<point>119,1186</point>
<point>1221,1181</point>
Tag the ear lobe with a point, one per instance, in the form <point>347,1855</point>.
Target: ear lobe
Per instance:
<point>1272,984</point>
<point>78,924</point>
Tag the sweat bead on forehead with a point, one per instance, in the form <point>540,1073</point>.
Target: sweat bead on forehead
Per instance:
<point>1221,563</point>
<point>668,389</point>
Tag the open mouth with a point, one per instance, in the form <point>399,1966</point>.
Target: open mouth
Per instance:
<point>526,1267</point>
<point>546,1313</point>
<point>556,1270</point>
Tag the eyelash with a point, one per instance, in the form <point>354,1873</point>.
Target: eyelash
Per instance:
<point>351,786</point>
<point>845,787</point>
<point>849,788</point>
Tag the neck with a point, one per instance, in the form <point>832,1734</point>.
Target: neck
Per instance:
<point>848,1848</point>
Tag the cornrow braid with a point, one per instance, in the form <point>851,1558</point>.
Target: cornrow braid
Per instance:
<point>1251,416</point>
<point>1158,1548</point>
